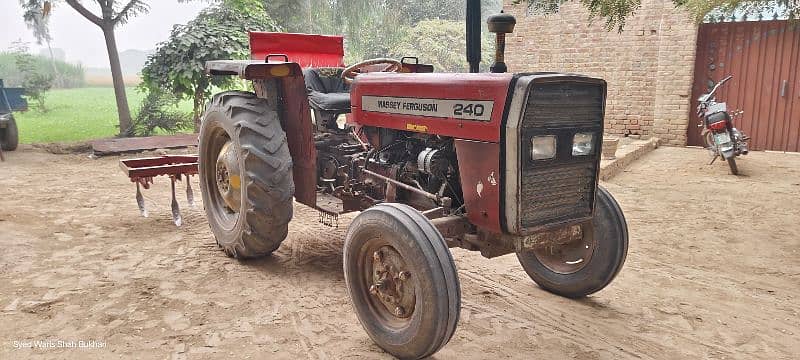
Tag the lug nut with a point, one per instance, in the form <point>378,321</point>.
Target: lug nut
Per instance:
<point>399,311</point>
<point>404,275</point>
<point>373,290</point>
<point>377,256</point>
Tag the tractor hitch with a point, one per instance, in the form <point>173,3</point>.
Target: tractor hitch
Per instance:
<point>142,171</point>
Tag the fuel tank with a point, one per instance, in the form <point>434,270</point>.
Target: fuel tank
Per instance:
<point>464,106</point>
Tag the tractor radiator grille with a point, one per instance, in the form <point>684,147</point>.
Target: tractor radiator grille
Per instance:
<point>556,194</point>
<point>561,189</point>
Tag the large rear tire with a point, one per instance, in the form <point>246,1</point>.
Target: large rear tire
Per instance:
<point>402,280</point>
<point>592,265</point>
<point>245,174</point>
<point>9,138</point>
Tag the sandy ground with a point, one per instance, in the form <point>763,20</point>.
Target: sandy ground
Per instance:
<point>713,272</point>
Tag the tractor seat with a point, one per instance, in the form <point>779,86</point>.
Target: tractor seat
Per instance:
<point>327,91</point>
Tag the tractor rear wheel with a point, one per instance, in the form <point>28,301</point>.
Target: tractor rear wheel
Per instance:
<point>586,266</point>
<point>245,174</point>
<point>9,138</point>
<point>402,280</point>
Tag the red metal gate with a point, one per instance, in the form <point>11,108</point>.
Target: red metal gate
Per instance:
<point>764,59</point>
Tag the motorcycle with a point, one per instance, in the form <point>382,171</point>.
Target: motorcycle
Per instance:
<point>721,138</point>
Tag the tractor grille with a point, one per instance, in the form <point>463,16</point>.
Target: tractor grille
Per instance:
<point>561,189</point>
<point>556,194</point>
<point>556,105</point>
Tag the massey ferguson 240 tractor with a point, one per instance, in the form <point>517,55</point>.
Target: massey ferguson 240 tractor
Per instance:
<point>493,162</point>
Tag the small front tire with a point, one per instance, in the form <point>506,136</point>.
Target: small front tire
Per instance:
<point>732,164</point>
<point>577,273</point>
<point>9,138</point>
<point>402,280</point>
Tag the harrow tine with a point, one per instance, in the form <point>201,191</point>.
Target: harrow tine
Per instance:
<point>176,210</point>
<point>140,201</point>
<point>190,193</point>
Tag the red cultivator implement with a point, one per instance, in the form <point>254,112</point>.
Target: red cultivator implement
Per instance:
<point>142,171</point>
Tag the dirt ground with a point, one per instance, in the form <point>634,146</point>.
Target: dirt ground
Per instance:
<point>713,272</point>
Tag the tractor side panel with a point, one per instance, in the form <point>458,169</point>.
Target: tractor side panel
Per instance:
<point>296,121</point>
<point>479,167</point>
<point>464,106</point>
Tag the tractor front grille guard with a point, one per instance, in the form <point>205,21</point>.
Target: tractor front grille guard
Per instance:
<point>560,189</point>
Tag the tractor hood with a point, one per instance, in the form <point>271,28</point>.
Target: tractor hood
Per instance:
<point>465,106</point>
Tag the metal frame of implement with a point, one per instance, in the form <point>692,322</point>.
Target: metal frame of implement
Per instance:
<point>142,171</point>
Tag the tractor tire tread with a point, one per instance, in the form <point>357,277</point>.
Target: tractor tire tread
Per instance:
<point>269,185</point>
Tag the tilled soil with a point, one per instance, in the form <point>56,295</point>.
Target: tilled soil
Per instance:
<point>713,272</point>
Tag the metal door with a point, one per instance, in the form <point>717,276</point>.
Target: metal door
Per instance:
<point>764,58</point>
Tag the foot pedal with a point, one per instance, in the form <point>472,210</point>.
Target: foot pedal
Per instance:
<point>329,219</point>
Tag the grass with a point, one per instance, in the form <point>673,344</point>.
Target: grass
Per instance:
<point>77,115</point>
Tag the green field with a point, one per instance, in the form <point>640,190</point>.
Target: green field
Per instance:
<point>77,115</point>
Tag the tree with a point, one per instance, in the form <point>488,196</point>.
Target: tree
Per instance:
<point>614,12</point>
<point>371,27</point>
<point>440,43</point>
<point>37,20</point>
<point>35,82</point>
<point>218,32</point>
<point>112,14</point>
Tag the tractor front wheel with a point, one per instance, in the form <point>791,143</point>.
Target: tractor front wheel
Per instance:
<point>402,280</point>
<point>587,265</point>
<point>245,175</point>
<point>9,138</point>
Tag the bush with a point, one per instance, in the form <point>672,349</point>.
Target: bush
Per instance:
<point>218,32</point>
<point>69,75</point>
<point>159,111</point>
<point>36,83</point>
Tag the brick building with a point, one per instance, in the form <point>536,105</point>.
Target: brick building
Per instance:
<point>649,66</point>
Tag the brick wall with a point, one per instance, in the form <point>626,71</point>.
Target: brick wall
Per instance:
<point>649,66</point>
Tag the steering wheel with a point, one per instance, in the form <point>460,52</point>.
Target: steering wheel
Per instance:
<point>349,74</point>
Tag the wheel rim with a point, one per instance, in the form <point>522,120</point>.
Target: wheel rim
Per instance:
<point>229,184</point>
<point>568,258</point>
<point>223,178</point>
<point>387,284</point>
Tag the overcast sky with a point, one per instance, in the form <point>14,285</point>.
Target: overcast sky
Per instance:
<point>83,41</point>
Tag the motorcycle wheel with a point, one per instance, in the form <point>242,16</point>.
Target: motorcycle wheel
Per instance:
<point>732,164</point>
<point>732,160</point>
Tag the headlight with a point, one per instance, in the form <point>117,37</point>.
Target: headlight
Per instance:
<point>583,144</point>
<point>543,147</point>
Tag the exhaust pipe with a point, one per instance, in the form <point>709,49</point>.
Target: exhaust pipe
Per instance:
<point>501,24</point>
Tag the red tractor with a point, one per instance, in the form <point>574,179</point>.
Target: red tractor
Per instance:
<point>493,162</point>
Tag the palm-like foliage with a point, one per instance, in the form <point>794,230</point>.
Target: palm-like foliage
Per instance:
<point>122,13</point>
<point>36,20</point>
<point>112,12</point>
<point>615,12</point>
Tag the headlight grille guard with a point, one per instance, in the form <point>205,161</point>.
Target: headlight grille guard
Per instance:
<point>513,155</point>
